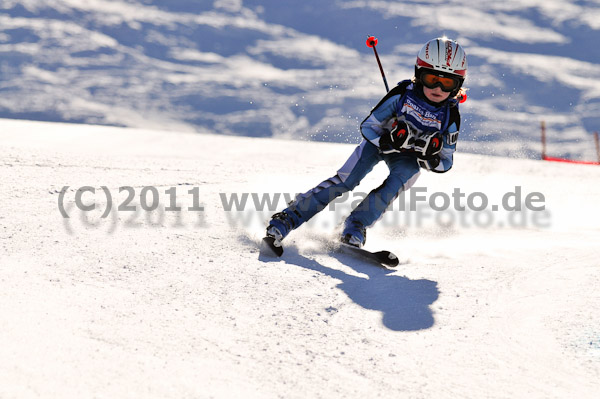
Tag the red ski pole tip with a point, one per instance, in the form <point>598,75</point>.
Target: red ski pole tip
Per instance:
<point>371,41</point>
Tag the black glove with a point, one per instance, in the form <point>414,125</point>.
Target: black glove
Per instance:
<point>429,145</point>
<point>397,139</point>
<point>429,163</point>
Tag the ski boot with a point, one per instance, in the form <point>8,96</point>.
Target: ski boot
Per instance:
<point>280,225</point>
<point>354,234</point>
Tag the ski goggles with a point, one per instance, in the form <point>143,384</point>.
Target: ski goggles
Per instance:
<point>446,83</point>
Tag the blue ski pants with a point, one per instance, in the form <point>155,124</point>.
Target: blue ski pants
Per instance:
<point>404,172</point>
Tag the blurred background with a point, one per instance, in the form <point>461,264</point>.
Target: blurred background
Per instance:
<point>301,70</point>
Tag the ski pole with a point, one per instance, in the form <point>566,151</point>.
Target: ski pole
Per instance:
<point>372,42</point>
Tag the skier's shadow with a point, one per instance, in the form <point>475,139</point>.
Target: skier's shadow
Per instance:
<point>404,303</point>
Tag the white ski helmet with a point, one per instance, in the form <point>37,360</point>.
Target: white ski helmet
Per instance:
<point>444,56</point>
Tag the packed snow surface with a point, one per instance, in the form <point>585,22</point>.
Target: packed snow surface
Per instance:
<point>170,303</point>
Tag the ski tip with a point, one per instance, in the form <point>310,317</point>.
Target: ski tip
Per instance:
<point>272,246</point>
<point>393,260</point>
<point>388,258</point>
<point>381,258</point>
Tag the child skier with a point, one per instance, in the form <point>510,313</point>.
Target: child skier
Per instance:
<point>414,126</point>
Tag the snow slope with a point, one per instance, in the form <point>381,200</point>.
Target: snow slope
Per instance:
<point>135,306</point>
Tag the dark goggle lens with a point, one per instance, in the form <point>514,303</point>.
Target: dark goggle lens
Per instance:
<point>431,81</point>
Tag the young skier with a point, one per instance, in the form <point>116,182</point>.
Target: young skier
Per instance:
<point>414,126</point>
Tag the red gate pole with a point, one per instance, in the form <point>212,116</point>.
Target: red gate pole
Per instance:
<point>597,145</point>
<point>543,140</point>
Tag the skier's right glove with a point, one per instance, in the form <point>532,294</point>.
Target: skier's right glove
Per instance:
<point>397,139</point>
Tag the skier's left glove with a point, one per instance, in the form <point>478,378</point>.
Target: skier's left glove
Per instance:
<point>430,162</point>
<point>429,145</point>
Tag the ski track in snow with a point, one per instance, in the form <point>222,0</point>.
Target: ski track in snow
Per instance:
<point>124,307</point>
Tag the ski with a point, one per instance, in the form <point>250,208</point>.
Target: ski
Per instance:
<point>383,258</point>
<point>271,246</point>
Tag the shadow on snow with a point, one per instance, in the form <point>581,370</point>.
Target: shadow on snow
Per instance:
<point>404,303</point>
